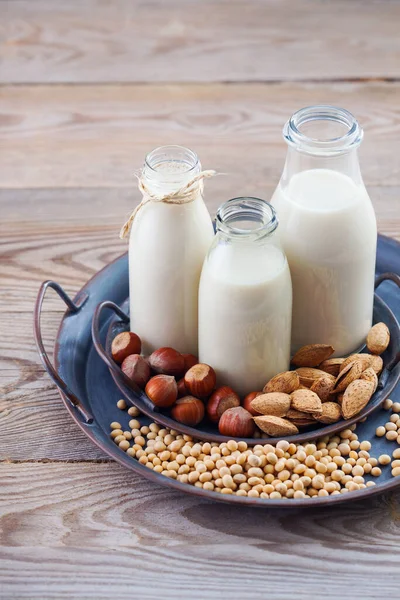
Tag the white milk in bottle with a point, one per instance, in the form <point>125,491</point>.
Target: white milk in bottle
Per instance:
<point>245,299</point>
<point>328,230</point>
<point>169,238</point>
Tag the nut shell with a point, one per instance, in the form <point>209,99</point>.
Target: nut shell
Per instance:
<point>308,375</point>
<point>236,422</point>
<point>273,403</point>
<point>162,390</point>
<point>331,413</point>
<point>137,369</point>
<point>200,380</point>
<point>275,426</point>
<point>188,410</point>
<point>301,419</point>
<point>378,338</point>
<point>312,355</point>
<point>219,401</point>
<point>365,358</point>
<point>182,391</point>
<point>167,361</point>
<point>323,388</point>
<point>190,360</point>
<point>285,382</point>
<point>376,363</point>
<point>331,366</point>
<point>124,344</point>
<point>356,397</point>
<point>370,375</point>
<point>347,375</point>
<point>306,401</point>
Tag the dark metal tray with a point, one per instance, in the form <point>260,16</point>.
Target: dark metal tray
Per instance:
<point>209,431</point>
<point>90,394</point>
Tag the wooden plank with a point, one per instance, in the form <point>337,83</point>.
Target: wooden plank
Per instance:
<point>33,420</point>
<point>92,41</point>
<point>95,136</point>
<point>73,531</point>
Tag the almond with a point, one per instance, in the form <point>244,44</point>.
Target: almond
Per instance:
<point>376,363</point>
<point>308,375</point>
<point>378,338</point>
<point>301,419</point>
<point>331,366</point>
<point>306,401</point>
<point>366,358</point>
<point>349,374</point>
<point>285,382</point>
<point>339,398</point>
<point>370,375</point>
<point>275,426</point>
<point>312,355</point>
<point>274,403</point>
<point>356,397</point>
<point>323,387</point>
<point>331,413</point>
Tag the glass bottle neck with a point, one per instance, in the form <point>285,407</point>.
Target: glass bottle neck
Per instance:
<point>322,137</point>
<point>297,161</point>
<point>168,168</point>
<point>246,220</point>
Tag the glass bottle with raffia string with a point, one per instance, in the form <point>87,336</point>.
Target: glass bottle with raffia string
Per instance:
<point>170,233</point>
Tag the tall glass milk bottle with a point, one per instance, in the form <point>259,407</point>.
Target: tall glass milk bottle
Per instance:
<point>170,234</point>
<point>328,229</point>
<point>245,298</point>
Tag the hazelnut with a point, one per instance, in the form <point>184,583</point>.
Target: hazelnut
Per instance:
<point>182,391</point>
<point>248,400</point>
<point>124,344</point>
<point>137,369</point>
<point>162,390</point>
<point>222,399</point>
<point>190,361</point>
<point>200,380</point>
<point>236,422</point>
<point>167,361</point>
<point>188,410</point>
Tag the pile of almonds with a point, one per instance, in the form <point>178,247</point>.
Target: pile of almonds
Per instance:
<point>334,465</point>
<point>321,389</point>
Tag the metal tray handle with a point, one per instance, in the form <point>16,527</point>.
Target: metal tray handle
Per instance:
<point>396,279</point>
<point>37,331</point>
<point>104,355</point>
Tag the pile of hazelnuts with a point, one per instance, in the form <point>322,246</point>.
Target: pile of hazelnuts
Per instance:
<point>178,382</point>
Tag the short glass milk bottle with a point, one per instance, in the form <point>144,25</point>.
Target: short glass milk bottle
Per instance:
<point>245,299</point>
<point>328,229</point>
<point>170,234</point>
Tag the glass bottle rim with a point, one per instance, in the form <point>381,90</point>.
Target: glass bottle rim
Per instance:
<point>338,144</point>
<point>171,153</point>
<point>246,209</point>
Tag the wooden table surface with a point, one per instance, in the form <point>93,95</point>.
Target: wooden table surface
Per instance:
<point>87,87</point>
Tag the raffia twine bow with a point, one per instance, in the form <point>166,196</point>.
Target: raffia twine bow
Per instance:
<point>183,195</point>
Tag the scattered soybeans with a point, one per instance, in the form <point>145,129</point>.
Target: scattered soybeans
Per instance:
<point>330,467</point>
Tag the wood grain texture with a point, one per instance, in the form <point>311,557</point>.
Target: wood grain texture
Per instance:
<point>74,531</point>
<point>92,41</point>
<point>72,523</point>
<point>95,136</point>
